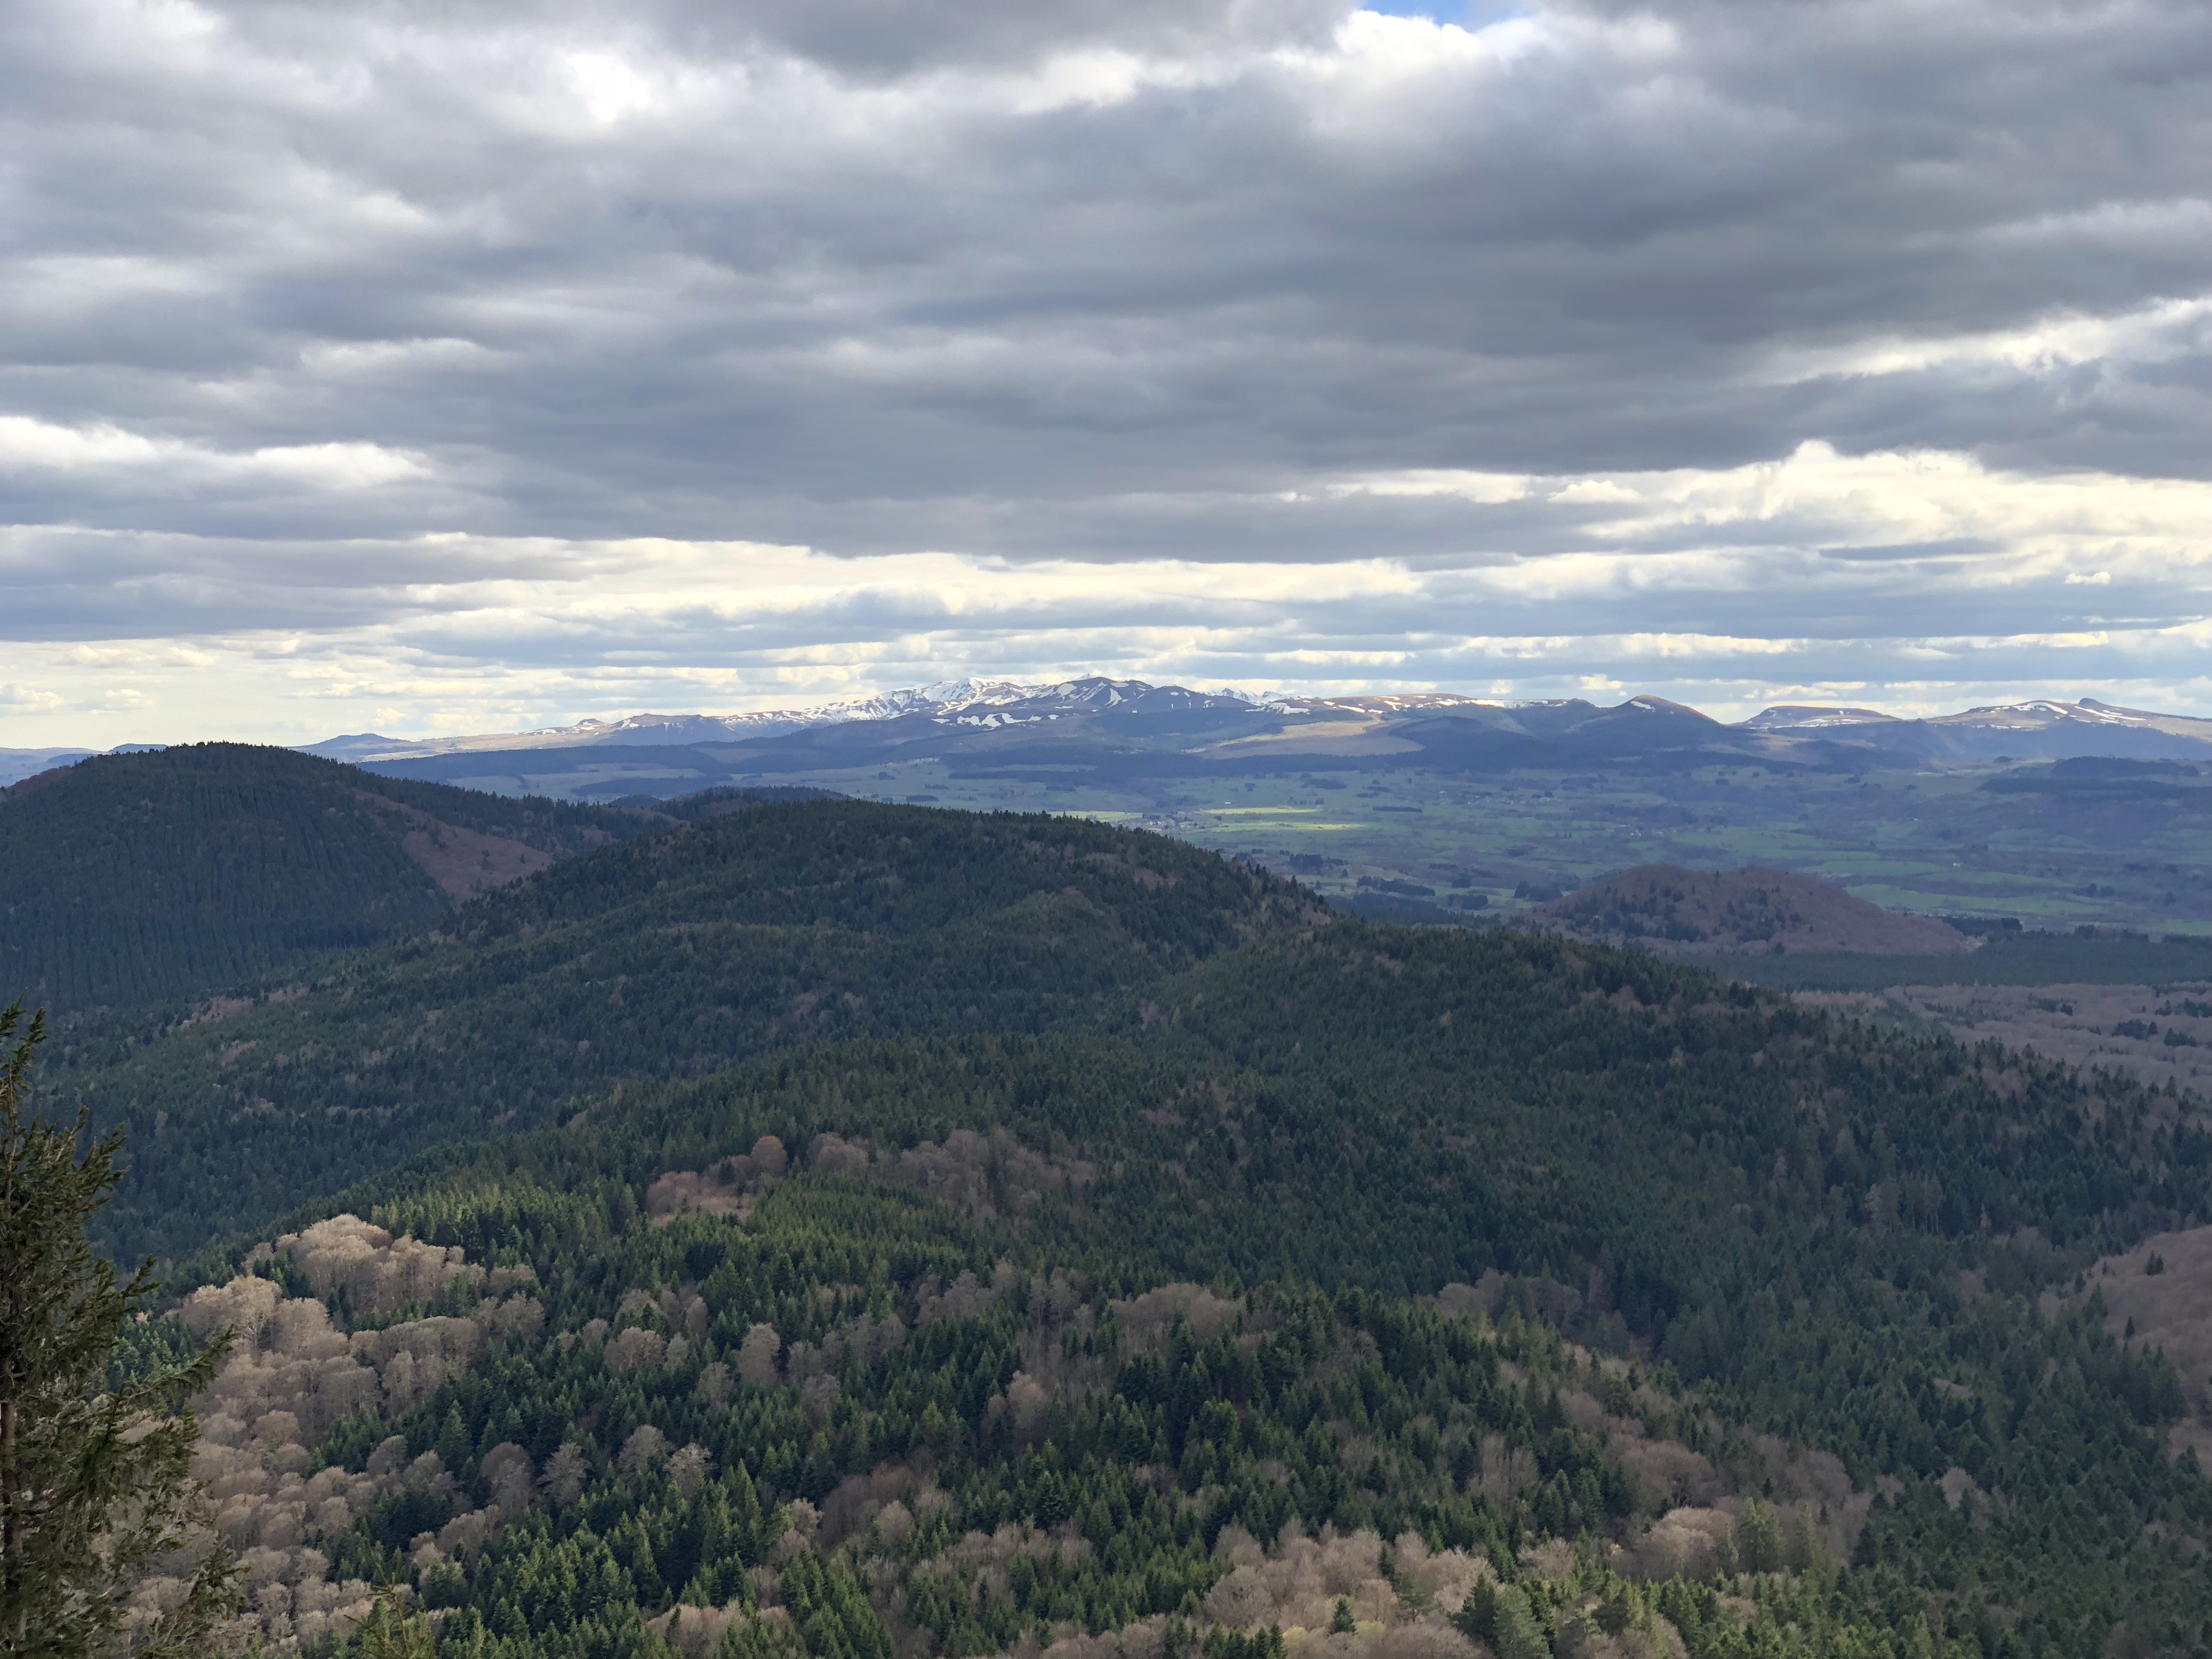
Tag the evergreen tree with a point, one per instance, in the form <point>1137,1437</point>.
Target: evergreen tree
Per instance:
<point>1759,1538</point>
<point>391,1634</point>
<point>95,1482</point>
<point>1516,1633</point>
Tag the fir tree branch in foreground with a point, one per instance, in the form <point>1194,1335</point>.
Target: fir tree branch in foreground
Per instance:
<point>96,1492</point>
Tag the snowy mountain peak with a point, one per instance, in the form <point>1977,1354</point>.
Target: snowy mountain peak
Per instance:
<point>1799,716</point>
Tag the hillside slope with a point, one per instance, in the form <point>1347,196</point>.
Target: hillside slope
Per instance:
<point>668,955</point>
<point>127,879</point>
<point>2157,1298</point>
<point>913,1331</point>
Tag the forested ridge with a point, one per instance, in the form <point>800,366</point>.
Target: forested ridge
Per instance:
<point>676,952</point>
<point>916,1233</point>
<point>132,879</point>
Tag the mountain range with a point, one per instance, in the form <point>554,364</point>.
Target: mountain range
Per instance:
<point>1106,731</point>
<point>1101,723</point>
<point>2042,728</point>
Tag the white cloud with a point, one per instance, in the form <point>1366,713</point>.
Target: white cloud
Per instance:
<point>30,446</point>
<point>25,444</point>
<point>1696,584</point>
<point>2156,333</point>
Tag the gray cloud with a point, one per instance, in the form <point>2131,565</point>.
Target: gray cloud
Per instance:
<point>288,286</point>
<point>888,37</point>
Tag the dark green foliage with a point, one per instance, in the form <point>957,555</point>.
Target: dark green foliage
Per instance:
<point>1794,1315</point>
<point>1797,1226</point>
<point>96,1481</point>
<point>1479,1616</point>
<point>1516,1632</point>
<point>128,879</point>
<point>391,1634</point>
<point>1239,1645</point>
<point>1759,1538</point>
<point>729,798</point>
<point>668,955</point>
<point>1224,1413</point>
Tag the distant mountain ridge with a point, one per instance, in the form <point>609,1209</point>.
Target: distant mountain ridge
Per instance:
<point>16,764</point>
<point>966,702</point>
<point>1110,733</point>
<point>2039,729</point>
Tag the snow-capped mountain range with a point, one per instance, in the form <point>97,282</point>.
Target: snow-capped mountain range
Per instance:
<point>965,702</point>
<point>1194,730</point>
<point>2043,728</point>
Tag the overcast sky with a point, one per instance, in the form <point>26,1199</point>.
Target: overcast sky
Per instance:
<point>423,367</point>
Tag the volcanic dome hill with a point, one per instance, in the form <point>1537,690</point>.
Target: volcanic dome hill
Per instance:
<point>1666,908</point>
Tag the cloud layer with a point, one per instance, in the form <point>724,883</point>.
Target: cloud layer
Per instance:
<point>466,362</point>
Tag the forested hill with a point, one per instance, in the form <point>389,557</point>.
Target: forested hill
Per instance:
<point>897,1344</point>
<point>169,875</point>
<point>835,1231</point>
<point>671,954</point>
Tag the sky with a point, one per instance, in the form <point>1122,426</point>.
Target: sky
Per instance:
<point>431,367</point>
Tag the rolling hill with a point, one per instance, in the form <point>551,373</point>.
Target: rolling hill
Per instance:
<point>674,952</point>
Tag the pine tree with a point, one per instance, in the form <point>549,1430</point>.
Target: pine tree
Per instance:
<point>95,1482</point>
